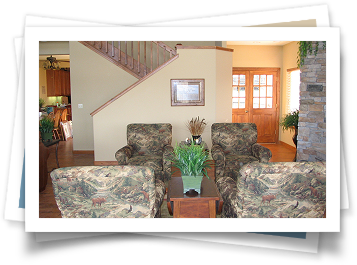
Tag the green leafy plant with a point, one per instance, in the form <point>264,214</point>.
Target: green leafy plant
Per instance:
<point>191,159</point>
<point>290,121</point>
<point>46,125</point>
<point>305,48</point>
<point>42,102</point>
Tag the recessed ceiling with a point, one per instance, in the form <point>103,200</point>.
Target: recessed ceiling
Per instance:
<point>274,43</point>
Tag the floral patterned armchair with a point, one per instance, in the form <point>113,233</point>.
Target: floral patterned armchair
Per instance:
<point>276,190</point>
<point>107,192</point>
<point>235,144</point>
<point>148,145</point>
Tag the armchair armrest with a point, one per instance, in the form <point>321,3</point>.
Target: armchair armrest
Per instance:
<point>261,152</point>
<point>217,152</point>
<point>123,154</point>
<point>219,159</point>
<point>166,161</point>
<point>232,200</point>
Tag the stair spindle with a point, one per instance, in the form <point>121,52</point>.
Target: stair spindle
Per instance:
<point>126,52</point>
<point>138,56</point>
<point>132,55</point>
<point>119,55</point>
<point>157,53</point>
<point>113,53</point>
<point>145,58</point>
<point>151,56</point>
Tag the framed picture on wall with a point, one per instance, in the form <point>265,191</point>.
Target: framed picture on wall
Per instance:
<point>187,92</point>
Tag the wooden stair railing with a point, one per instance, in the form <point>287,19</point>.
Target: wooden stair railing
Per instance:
<point>139,59</point>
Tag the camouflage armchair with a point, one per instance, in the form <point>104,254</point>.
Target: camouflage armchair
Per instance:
<point>107,192</point>
<point>276,190</point>
<point>235,144</point>
<point>148,145</point>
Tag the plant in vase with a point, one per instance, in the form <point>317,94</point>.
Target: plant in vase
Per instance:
<point>196,128</point>
<point>192,161</point>
<point>46,128</point>
<point>41,103</point>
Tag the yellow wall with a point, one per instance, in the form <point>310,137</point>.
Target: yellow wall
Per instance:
<point>150,102</point>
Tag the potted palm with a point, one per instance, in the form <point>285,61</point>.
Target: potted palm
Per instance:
<point>192,161</point>
<point>46,128</point>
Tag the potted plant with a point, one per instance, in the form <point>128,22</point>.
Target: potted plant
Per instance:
<point>196,128</point>
<point>46,128</point>
<point>291,122</point>
<point>192,161</point>
<point>42,103</point>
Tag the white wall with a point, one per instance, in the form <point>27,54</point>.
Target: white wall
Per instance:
<point>150,102</point>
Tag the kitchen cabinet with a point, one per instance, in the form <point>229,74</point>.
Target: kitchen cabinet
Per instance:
<point>58,83</point>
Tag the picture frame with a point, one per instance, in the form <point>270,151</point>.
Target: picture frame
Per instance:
<point>187,92</point>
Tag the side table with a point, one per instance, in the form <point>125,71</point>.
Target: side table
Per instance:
<point>52,142</point>
<point>204,205</point>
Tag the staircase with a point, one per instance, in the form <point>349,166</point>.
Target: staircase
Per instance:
<point>138,58</point>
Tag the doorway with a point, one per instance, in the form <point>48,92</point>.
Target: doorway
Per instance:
<point>255,99</point>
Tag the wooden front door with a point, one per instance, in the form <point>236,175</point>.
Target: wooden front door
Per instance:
<point>255,98</point>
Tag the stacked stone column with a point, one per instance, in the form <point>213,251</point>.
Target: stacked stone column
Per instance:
<point>312,116</point>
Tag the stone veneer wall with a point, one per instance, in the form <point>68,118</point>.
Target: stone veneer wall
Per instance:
<point>312,116</point>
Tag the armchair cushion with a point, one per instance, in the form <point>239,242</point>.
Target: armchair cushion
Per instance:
<point>148,145</point>
<point>235,138</point>
<point>279,189</point>
<point>107,192</point>
<point>235,144</point>
<point>152,161</point>
<point>149,139</point>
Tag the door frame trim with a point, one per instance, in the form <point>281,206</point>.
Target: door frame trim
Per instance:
<point>278,85</point>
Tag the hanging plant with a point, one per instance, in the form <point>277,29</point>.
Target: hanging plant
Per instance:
<point>305,48</point>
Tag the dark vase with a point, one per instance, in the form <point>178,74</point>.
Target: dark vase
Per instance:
<point>295,142</point>
<point>196,139</point>
<point>295,136</point>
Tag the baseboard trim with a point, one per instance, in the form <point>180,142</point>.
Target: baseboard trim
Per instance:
<point>287,146</point>
<point>83,152</point>
<point>105,163</point>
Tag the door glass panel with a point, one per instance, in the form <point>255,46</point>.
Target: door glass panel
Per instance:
<point>269,103</point>
<point>256,80</point>
<point>242,80</point>
<point>235,92</point>
<point>255,103</point>
<point>269,91</point>
<point>263,80</point>
<point>262,103</point>
<point>242,92</point>
<point>256,91</point>
<point>269,80</point>
<point>242,103</point>
<point>235,103</point>
<point>263,92</point>
<point>235,80</point>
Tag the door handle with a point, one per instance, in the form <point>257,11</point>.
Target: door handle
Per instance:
<point>246,111</point>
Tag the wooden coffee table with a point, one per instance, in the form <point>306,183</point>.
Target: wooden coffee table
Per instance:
<point>204,205</point>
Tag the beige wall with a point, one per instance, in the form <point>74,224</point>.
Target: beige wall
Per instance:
<point>94,81</point>
<point>150,102</point>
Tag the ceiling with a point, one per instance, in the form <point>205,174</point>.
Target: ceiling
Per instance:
<point>274,43</point>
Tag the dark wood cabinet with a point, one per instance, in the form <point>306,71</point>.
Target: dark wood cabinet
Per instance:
<point>58,83</point>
